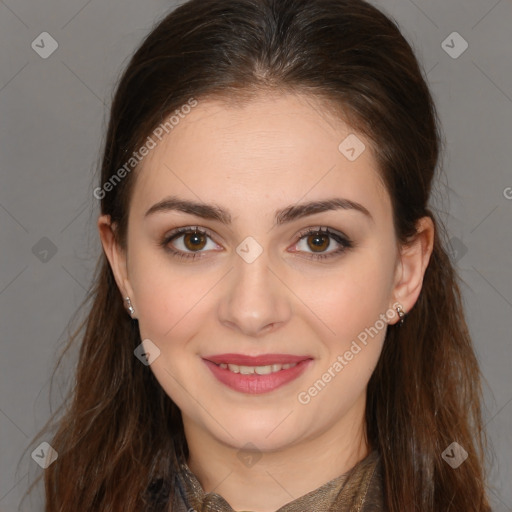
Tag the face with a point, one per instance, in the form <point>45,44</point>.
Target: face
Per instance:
<point>255,280</point>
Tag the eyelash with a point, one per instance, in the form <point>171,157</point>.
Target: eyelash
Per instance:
<point>344,242</point>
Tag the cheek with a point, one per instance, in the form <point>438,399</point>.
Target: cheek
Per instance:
<point>354,296</point>
<point>167,297</point>
<point>353,309</point>
<point>169,309</point>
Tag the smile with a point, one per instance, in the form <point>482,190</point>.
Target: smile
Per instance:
<point>260,370</point>
<point>257,378</point>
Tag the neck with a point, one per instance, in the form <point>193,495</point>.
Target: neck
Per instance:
<point>280,476</point>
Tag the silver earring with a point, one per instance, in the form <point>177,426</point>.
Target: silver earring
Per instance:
<point>401,314</point>
<point>129,305</point>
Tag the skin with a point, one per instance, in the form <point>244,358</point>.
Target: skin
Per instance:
<point>252,160</point>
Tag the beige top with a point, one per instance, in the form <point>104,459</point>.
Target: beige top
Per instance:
<point>358,490</point>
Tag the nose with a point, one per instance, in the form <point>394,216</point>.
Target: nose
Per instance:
<point>254,300</point>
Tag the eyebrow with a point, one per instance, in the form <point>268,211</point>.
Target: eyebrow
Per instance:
<point>285,215</point>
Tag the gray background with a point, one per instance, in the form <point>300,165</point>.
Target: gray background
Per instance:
<point>53,115</point>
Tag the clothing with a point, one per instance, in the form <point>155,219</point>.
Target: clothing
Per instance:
<point>358,490</point>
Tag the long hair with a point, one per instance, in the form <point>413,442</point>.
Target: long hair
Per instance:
<point>120,438</point>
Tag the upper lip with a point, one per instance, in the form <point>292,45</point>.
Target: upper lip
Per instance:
<point>261,360</point>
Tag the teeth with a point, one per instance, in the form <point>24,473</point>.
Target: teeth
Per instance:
<point>260,370</point>
<point>263,370</point>
<point>234,368</point>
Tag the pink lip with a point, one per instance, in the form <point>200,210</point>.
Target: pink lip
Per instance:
<point>257,384</point>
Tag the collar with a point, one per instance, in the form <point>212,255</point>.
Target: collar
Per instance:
<point>348,492</point>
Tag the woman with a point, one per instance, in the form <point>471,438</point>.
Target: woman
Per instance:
<point>275,323</point>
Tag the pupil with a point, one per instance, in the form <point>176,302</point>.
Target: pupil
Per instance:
<point>194,239</point>
<point>317,241</point>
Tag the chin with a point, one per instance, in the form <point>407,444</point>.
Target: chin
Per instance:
<point>267,433</point>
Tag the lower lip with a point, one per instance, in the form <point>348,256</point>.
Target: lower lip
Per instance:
<point>254,383</point>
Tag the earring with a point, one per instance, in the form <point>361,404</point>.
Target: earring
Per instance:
<point>401,314</point>
<point>131,310</point>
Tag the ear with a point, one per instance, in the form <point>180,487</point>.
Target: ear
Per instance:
<point>116,256</point>
<point>413,261</point>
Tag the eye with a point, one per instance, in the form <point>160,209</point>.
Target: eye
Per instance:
<point>192,239</point>
<point>189,242</point>
<point>321,239</point>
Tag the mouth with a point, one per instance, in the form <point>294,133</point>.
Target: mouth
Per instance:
<point>256,374</point>
<point>260,370</point>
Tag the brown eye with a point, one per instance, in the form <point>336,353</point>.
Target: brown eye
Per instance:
<point>319,242</point>
<point>315,242</point>
<point>194,241</point>
<point>189,242</point>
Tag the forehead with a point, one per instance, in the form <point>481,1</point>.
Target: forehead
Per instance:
<point>259,155</point>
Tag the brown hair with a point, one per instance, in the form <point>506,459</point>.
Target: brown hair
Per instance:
<point>121,438</point>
